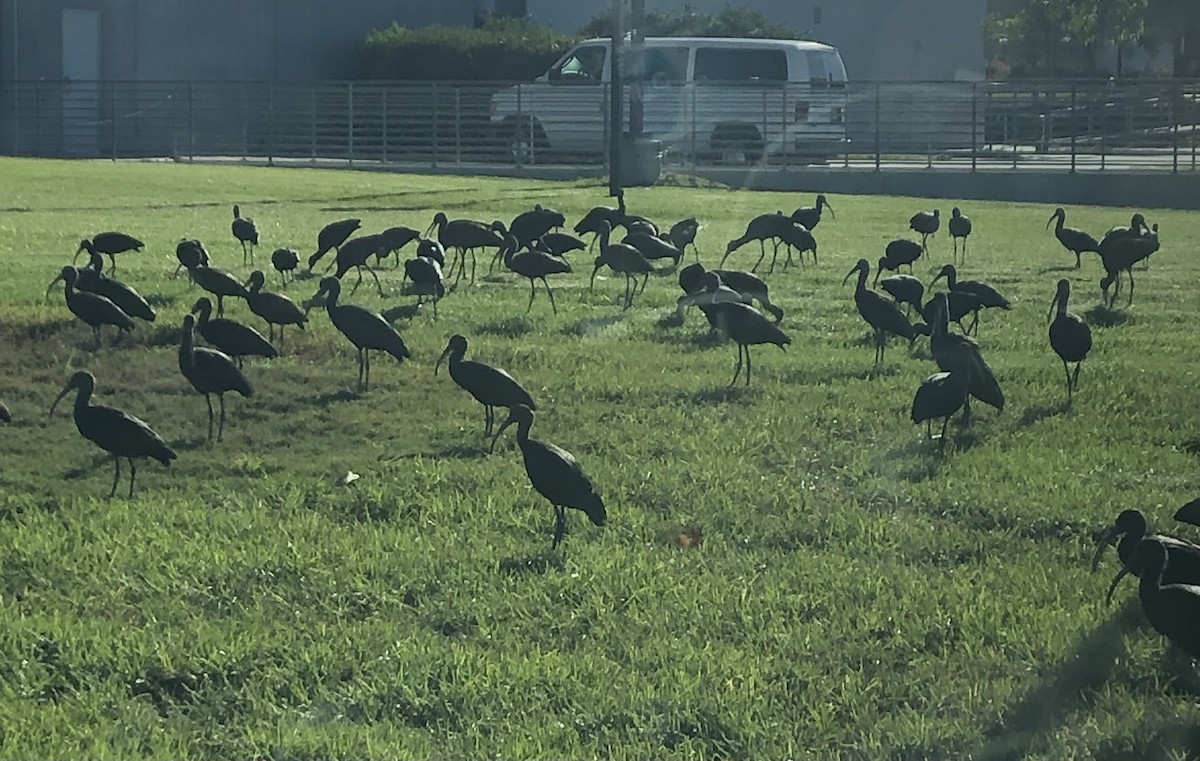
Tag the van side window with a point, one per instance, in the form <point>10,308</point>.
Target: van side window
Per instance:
<point>584,66</point>
<point>824,69</point>
<point>732,65</point>
<point>666,65</point>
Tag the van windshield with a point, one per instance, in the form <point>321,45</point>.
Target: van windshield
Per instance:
<point>825,69</point>
<point>584,66</point>
<point>734,65</point>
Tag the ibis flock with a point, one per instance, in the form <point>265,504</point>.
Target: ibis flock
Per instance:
<point>534,246</point>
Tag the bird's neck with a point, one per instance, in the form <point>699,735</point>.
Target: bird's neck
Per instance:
<point>862,279</point>
<point>83,399</point>
<point>523,432</point>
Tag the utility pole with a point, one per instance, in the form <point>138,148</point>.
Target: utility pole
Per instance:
<point>616,124</point>
<point>637,67</point>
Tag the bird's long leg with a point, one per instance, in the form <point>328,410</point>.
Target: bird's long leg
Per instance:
<point>472,266</point>
<point>487,420</point>
<point>1130,301</point>
<point>1075,376</point>
<point>1078,263</point>
<point>550,293</point>
<point>627,296</point>
<point>747,364</point>
<point>367,372</point>
<point>360,370</point>
<point>208,401</point>
<point>113,261</point>
<point>221,427</point>
<point>737,370</point>
<point>645,279</point>
<point>132,475</point>
<point>435,301</point>
<point>945,423</point>
<point>358,282</point>
<point>116,476</point>
<point>377,284</point>
<point>560,526</point>
<point>220,305</point>
<point>1067,370</point>
<point>531,292</point>
<point>762,255</point>
<point>96,333</point>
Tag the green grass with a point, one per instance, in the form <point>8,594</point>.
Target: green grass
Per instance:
<point>857,595</point>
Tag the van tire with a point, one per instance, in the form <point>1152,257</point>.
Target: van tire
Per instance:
<point>738,139</point>
<point>524,139</point>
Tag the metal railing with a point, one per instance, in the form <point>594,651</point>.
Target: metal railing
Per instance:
<point>1066,125</point>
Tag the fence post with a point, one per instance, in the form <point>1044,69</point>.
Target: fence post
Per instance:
<point>245,119</point>
<point>1103,129</point>
<point>112,112</point>
<point>974,125</point>
<point>515,146</point>
<point>457,125</point>
<point>191,125</point>
<point>764,132</point>
<point>350,121</point>
<point>383,116</point>
<point>437,114</point>
<point>877,128</point>
<point>692,118</point>
<point>271,123</point>
<point>784,148</point>
<point>312,125</point>
<point>1174,135</point>
<point>1071,125</point>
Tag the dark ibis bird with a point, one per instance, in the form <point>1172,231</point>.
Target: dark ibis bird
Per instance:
<point>559,244</point>
<point>219,283</point>
<point>93,280</point>
<point>691,280</point>
<point>1074,240</point>
<point>210,372</point>
<point>392,240</point>
<point>246,233</point>
<point>490,386</point>
<point>762,228</point>
<point>1172,609</point>
<point>1131,530</point>
<point>904,289</point>
<point>590,223</point>
<point>431,249</point>
<point>745,326</point>
<point>810,216</point>
<point>989,297</point>
<point>960,354</point>
<point>353,255</point>
<point>926,223</point>
<point>285,261</point>
<point>1070,337</point>
<point>426,276</point>
<point>683,234</point>
<point>232,337</point>
<point>706,295</point>
<point>274,308</point>
<point>898,253</point>
<point>92,308</point>
<point>939,396</point>
<point>653,247</point>
<point>534,265</point>
<point>332,236</point>
<point>531,225</point>
<point>795,236</point>
<point>960,228</point>
<point>555,474</point>
<point>115,431</point>
<point>882,315</point>
<point>622,259</point>
<point>641,227</point>
<point>961,304</point>
<point>1136,227</point>
<point>190,253</point>
<point>365,328</point>
<point>465,236</point>
<point>109,244</point>
<point>1118,254</point>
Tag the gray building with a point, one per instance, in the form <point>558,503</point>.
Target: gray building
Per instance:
<point>878,39</point>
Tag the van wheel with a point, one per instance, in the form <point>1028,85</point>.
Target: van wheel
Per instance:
<point>734,142</point>
<point>526,140</point>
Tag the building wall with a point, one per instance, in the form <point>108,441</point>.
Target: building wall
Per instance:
<point>878,39</point>
<point>211,39</point>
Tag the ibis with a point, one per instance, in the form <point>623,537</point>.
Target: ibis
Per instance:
<point>491,386</point>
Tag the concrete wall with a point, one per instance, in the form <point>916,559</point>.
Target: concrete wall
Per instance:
<point>879,39</point>
<point>211,39</point>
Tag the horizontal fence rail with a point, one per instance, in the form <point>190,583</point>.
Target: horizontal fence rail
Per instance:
<point>1068,125</point>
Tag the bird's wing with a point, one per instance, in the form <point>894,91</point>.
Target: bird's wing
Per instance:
<point>119,432</point>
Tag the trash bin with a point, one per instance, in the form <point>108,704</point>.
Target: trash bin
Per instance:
<point>641,161</point>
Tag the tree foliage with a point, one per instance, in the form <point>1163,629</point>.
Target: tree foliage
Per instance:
<point>502,49</point>
<point>1056,37</point>
<point>688,22</point>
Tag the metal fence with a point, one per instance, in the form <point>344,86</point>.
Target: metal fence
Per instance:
<point>1071,125</point>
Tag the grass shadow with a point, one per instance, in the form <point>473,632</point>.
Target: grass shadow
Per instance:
<point>401,312</point>
<point>1104,317</point>
<point>593,325</point>
<point>1191,446</point>
<point>1070,689</point>
<point>329,397</point>
<point>1043,411</point>
<point>82,471</point>
<point>720,395</point>
<point>450,451</point>
<point>537,564</point>
<point>1057,268</point>
<point>508,327</point>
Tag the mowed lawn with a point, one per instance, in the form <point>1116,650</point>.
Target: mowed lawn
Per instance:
<point>842,590</point>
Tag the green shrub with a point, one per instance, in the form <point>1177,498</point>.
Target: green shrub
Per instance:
<point>688,22</point>
<point>501,50</point>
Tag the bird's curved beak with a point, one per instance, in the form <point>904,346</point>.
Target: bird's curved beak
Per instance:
<point>936,278</point>
<point>592,280</point>
<point>1113,586</point>
<point>1106,540</point>
<point>878,272</point>
<point>827,206</point>
<point>53,283</point>
<point>1189,513</point>
<point>1053,217</point>
<point>429,229</point>
<point>441,359</point>
<point>848,274</point>
<point>499,432</point>
<point>315,301</point>
<point>59,398</point>
<point>1053,306</point>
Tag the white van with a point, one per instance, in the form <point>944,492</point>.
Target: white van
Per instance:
<point>703,95</point>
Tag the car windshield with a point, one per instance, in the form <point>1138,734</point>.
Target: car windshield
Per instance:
<point>584,65</point>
